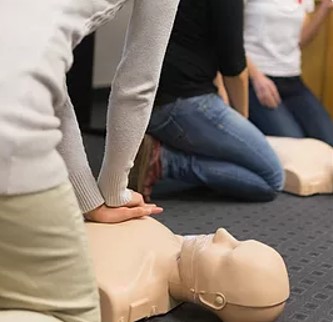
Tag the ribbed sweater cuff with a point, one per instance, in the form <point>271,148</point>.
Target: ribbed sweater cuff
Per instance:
<point>114,190</point>
<point>86,190</point>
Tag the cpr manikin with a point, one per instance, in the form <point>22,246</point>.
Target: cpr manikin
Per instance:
<point>143,270</point>
<point>308,165</point>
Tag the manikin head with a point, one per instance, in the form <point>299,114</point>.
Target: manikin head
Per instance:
<point>240,281</point>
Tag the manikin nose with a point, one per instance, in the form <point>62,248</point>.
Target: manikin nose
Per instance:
<point>223,237</point>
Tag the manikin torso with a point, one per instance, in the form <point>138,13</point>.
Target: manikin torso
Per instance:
<point>143,269</point>
<point>134,279</point>
<point>308,164</point>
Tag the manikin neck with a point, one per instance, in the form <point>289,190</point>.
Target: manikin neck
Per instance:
<point>179,291</point>
<point>182,278</point>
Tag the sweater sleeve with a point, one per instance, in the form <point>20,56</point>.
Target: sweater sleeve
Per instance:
<point>72,151</point>
<point>133,92</point>
<point>227,18</point>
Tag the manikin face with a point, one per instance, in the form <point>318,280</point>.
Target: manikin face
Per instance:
<point>221,270</point>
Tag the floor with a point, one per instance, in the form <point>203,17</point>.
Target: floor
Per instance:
<point>301,229</point>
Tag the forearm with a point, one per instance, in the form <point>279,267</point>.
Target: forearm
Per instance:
<point>219,83</point>
<point>72,151</point>
<point>311,25</point>
<point>133,93</point>
<point>253,71</point>
<point>238,92</point>
<point>265,89</point>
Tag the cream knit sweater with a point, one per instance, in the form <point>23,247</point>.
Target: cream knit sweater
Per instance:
<point>39,135</point>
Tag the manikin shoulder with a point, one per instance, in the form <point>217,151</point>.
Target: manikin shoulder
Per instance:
<point>133,262</point>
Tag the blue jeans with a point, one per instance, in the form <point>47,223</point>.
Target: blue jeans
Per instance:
<point>208,143</point>
<point>299,115</point>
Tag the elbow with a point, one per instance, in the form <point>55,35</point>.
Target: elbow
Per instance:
<point>235,69</point>
<point>138,95</point>
<point>303,43</point>
<point>241,75</point>
<point>143,94</point>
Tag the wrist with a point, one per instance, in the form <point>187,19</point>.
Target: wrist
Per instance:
<point>97,214</point>
<point>91,212</point>
<point>325,7</point>
<point>257,77</point>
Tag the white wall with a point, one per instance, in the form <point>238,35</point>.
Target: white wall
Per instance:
<point>109,42</point>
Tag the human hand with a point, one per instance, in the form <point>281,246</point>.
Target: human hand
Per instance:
<point>136,208</point>
<point>137,200</point>
<point>266,91</point>
<point>327,4</point>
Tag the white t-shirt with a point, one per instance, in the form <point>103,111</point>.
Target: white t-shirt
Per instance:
<point>272,34</point>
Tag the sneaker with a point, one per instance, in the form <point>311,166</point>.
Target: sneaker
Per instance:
<point>147,167</point>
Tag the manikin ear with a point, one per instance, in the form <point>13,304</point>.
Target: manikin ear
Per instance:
<point>215,301</point>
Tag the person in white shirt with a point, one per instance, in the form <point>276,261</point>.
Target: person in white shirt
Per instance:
<point>45,267</point>
<point>280,103</point>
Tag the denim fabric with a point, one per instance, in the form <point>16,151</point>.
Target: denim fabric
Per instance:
<point>208,143</point>
<point>299,115</point>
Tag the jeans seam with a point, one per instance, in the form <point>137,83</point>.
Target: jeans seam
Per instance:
<point>233,134</point>
<point>250,180</point>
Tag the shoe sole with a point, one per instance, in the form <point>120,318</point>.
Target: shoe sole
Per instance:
<point>140,169</point>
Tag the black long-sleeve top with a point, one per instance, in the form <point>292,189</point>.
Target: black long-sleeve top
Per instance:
<point>207,37</point>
